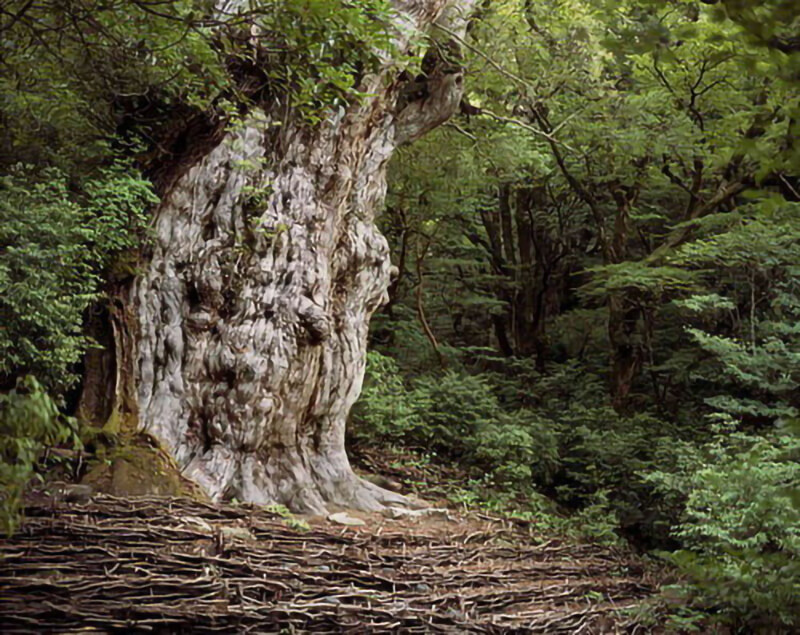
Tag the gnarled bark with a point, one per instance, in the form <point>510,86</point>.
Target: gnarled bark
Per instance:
<point>253,310</point>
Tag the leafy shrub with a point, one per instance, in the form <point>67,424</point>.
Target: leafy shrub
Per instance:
<point>741,527</point>
<point>29,422</point>
<point>459,417</point>
<point>520,447</point>
<point>459,405</point>
<point>465,421</point>
<point>603,454</point>
<point>387,410</point>
<point>53,245</point>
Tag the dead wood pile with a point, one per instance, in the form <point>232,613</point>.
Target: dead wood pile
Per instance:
<point>181,566</point>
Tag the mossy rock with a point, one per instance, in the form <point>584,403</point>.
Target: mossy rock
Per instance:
<point>136,465</point>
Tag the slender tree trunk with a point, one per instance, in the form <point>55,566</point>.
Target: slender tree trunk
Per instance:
<point>623,312</point>
<point>527,276</point>
<point>623,321</point>
<point>251,316</point>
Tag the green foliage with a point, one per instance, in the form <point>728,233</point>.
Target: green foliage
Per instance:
<point>456,416</point>
<point>387,410</point>
<point>465,421</point>
<point>55,242</point>
<point>741,526</point>
<point>29,422</point>
<point>331,45</point>
<point>638,280</point>
<point>604,453</point>
<point>738,492</point>
<point>590,459</point>
<point>69,67</point>
<point>288,518</point>
<point>75,74</point>
<point>607,244</point>
<point>756,364</point>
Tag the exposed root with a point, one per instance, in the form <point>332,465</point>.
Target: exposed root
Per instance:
<point>176,565</point>
<point>362,495</point>
<point>327,484</point>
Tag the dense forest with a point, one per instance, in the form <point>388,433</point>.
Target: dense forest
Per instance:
<point>553,245</point>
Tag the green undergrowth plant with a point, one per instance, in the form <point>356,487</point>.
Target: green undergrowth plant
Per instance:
<point>589,461</point>
<point>740,527</point>
<point>30,421</point>
<point>458,417</point>
<point>596,522</point>
<point>57,238</point>
<point>288,518</point>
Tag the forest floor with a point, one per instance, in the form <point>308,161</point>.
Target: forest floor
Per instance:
<point>177,565</point>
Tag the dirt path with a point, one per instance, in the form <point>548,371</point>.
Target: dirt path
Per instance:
<point>180,566</point>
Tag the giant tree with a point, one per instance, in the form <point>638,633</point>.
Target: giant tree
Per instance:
<point>239,340</point>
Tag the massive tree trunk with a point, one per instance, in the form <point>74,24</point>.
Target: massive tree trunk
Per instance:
<point>251,316</point>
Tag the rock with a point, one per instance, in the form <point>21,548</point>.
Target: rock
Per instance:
<point>456,615</point>
<point>240,533</point>
<point>80,494</point>
<point>343,518</point>
<point>422,588</point>
<point>331,600</point>
<point>398,513</point>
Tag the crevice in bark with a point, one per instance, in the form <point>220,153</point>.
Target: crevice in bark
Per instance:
<point>98,385</point>
<point>178,135</point>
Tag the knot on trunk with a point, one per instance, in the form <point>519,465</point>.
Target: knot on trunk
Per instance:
<point>429,99</point>
<point>314,321</point>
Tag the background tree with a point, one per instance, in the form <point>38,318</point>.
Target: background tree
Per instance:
<point>605,233</point>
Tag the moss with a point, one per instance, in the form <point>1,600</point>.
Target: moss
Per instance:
<point>114,425</point>
<point>125,265</point>
<point>131,463</point>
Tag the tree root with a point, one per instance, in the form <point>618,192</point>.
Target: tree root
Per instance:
<point>176,565</point>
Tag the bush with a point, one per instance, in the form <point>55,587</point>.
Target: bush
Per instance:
<point>54,243</point>
<point>459,405</point>
<point>519,447</point>
<point>603,454</point>
<point>29,422</point>
<point>457,416</point>
<point>387,410</point>
<point>741,527</point>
